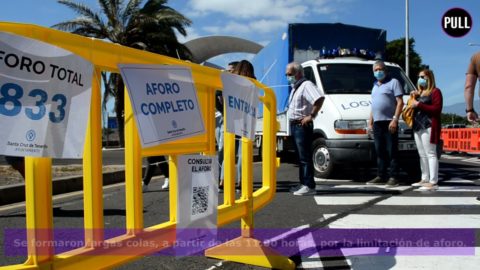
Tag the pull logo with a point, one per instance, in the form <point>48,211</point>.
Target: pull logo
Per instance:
<point>456,22</point>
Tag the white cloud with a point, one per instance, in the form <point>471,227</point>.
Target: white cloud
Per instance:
<point>237,28</point>
<point>191,34</point>
<point>286,10</point>
<point>265,26</point>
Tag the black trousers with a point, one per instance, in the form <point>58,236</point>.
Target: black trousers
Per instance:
<point>162,164</point>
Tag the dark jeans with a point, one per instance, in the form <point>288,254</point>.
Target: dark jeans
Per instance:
<point>303,137</point>
<point>151,168</point>
<point>386,148</point>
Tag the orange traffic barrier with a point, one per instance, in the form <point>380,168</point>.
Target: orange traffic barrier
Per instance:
<point>466,140</point>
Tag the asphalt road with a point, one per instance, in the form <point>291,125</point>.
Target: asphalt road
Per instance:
<point>113,156</point>
<point>342,202</point>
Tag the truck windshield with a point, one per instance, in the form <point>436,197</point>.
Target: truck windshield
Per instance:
<point>356,78</point>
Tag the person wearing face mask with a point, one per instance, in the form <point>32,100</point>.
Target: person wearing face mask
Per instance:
<point>304,102</point>
<point>428,105</point>
<point>387,104</point>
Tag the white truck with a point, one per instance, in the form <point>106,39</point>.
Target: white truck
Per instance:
<point>345,76</point>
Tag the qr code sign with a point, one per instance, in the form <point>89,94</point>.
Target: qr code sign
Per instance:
<point>200,200</point>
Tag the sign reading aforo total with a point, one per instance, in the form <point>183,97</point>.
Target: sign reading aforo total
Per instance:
<point>241,100</point>
<point>44,99</point>
<point>164,102</point>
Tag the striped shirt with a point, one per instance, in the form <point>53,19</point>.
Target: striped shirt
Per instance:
<point>301,100</point>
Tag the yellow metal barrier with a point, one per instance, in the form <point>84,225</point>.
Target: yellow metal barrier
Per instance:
<point>105,57</point>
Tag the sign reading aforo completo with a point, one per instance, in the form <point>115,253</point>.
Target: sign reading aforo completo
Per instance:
<point>164,102</point>
<point>44,99</point>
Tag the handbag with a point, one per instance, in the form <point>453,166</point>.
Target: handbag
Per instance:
<point>407,113</point>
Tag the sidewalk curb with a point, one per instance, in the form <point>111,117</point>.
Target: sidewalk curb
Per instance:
<point>16,192</point>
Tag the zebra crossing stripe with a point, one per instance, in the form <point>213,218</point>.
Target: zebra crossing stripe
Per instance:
<point>407,221</point>
<point>472,160</point>
<point>343,200</point>
<point>361,187</point>
<point>459,181</point>
<point>415,262</point>
<point>416,201</point>
<point>451,157</point>
<point>455,189</point>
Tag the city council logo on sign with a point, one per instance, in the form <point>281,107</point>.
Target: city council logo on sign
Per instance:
<point>164,102</point>
<point>44,99</point>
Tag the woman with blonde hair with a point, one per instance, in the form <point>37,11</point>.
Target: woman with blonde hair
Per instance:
<point>428,105</point>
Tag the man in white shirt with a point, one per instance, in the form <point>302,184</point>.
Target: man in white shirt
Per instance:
<point>304,103</point>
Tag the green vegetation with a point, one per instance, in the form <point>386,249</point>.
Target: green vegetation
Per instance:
<point>451,118</point>
<point>395,53</point>
<point>150,27</point>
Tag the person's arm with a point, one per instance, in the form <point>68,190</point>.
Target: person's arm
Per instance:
<point>470,82</point>
<point>398,109</point>
<point>317,105</point>
<point>370,122</point>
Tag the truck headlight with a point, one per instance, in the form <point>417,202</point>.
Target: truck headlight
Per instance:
<point>351,126</point>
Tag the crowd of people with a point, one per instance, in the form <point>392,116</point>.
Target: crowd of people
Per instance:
<point>387,105</point>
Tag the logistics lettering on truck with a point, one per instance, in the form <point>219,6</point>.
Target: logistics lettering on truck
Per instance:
<point>340,66</point>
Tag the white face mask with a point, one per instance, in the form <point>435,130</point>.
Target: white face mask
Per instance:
<point>291,79</point>
<point>422,82</point>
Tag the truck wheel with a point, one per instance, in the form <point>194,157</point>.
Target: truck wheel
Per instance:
<point>322,162</point>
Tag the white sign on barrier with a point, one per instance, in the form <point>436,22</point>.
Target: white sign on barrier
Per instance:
<point>164,102</point>
<point>241,101</point>
<point>45,96</point>
<point>197,203</point>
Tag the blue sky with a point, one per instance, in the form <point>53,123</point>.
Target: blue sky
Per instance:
<point>261,20</point>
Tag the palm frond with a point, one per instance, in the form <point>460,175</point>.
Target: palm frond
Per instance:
<point>82,10</point>
<point>111,9</point>
<point>131,9</point>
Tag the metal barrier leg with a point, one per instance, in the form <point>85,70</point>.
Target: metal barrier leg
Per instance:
<point>92,170</point>
<point>133,172</point>
<point>246,249</point>
<point>38,201</point>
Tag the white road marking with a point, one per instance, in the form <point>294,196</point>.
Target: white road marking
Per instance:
<point>343,200</point>
<point>415,201</point>
<point>407,221</point>
<point>455,189</point>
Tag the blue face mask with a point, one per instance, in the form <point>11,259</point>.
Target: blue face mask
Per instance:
<point>379,74</point>
<point>422,82</point>
<point>291,79</point>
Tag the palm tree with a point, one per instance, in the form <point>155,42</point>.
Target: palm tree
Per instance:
<point>151,27</point>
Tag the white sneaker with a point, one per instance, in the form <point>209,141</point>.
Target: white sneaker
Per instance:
<point>419,184</point>
<point>429,187</point>
<point>165,184</point>
<point>296,188</point>
<point>144,187</point>
<point>305,191</point>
